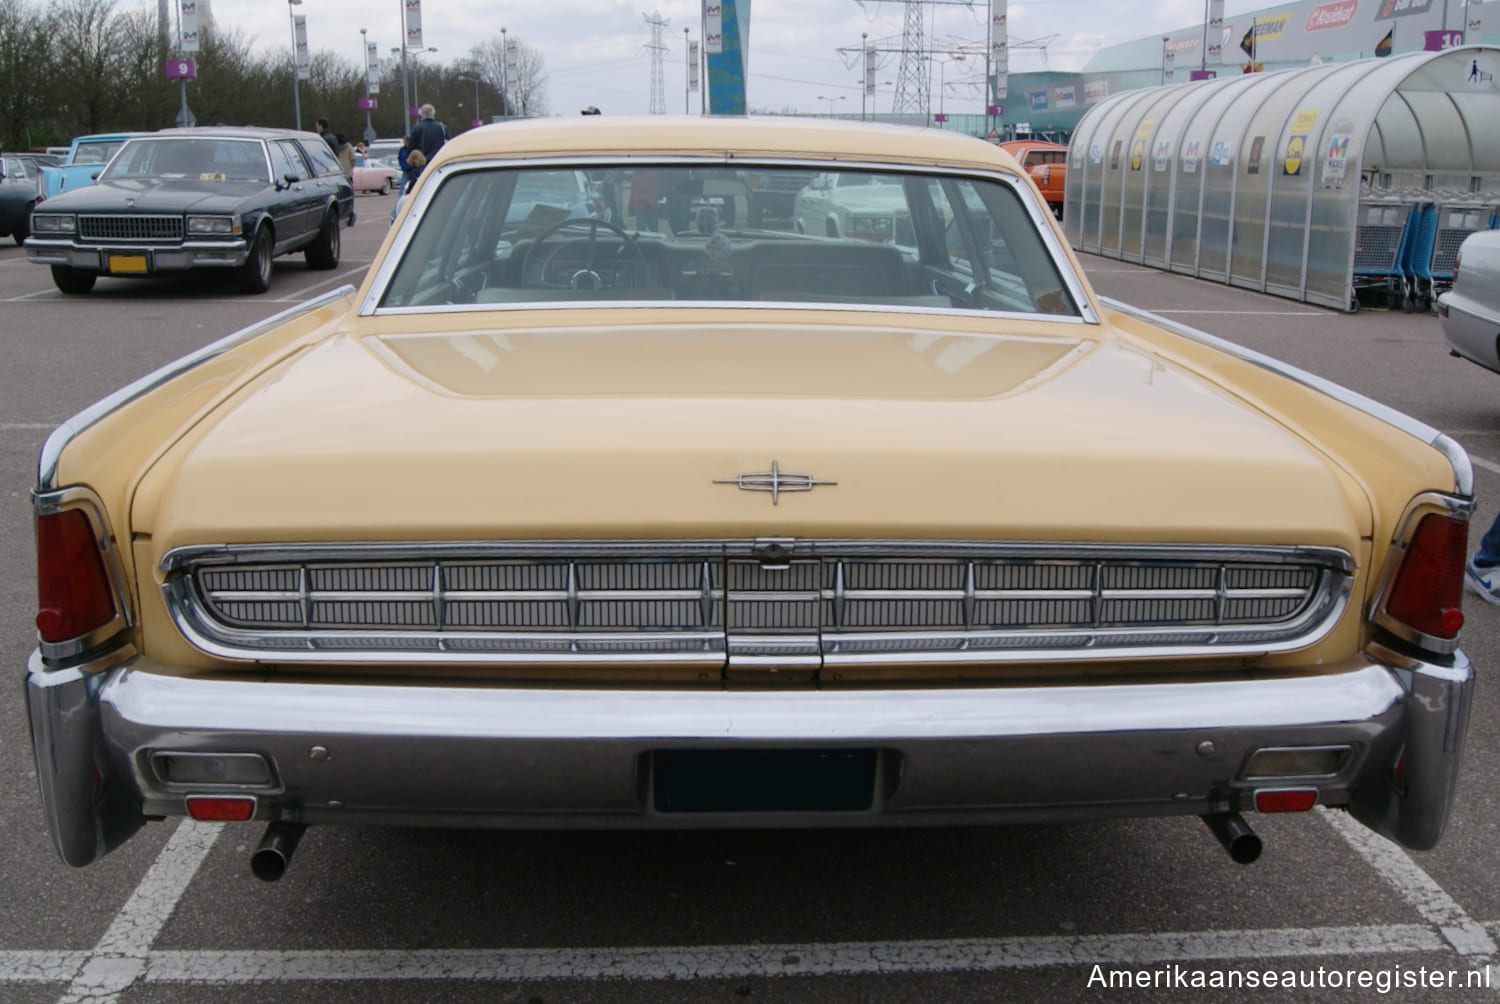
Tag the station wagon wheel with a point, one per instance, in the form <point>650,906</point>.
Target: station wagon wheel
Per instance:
<point>323,252</point>
<point>255,275</point>
<point>586,272</point>
<point>73,281</point>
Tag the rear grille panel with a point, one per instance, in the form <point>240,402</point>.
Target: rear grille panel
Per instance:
<point>854,602</point>
<point>130,227</point>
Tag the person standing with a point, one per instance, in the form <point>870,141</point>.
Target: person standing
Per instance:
<point>326,131</point>
<point>428,135</point>
<point>345,154</point>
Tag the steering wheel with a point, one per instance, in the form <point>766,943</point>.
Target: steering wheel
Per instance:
<point>588,276</point>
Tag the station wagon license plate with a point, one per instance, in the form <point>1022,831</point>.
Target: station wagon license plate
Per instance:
<point>127,263</point>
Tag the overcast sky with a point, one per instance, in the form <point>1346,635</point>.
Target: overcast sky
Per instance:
<point>596,53</point>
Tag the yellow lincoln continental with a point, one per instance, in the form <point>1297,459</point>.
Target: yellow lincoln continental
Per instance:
<point>615,504</point>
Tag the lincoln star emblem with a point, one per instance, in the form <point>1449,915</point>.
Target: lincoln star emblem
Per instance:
<point>774,481</point>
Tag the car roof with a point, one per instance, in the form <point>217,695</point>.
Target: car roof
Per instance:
<point>107,137</point>
<point>231,132</point>
<point>722,136</point>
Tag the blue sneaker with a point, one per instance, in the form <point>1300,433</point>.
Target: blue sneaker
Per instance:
<point>1484,580</point>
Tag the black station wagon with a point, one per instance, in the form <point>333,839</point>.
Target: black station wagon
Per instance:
<point>226,198</point>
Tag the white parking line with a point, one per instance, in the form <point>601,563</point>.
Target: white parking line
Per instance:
<point>1467,936</point>
<point>124,957</point>
<point>970,955</point>
<point>120,958</point>
<point>1488,465</point>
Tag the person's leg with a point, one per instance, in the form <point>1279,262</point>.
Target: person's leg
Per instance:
<point>1483,572</point>
<point>1488,555</point>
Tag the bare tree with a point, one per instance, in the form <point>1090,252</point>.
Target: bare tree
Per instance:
<point>25,101</point>
<point>86,53</point>
<point>527,81</point>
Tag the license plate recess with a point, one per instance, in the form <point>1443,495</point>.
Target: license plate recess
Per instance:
<point>780,780</point>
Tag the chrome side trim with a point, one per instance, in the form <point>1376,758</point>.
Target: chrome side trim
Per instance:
<point>594,602</point>
<point>46,477</point>
<point>1428,502</point>
<point>91,505</point>
<point>1463,469</point>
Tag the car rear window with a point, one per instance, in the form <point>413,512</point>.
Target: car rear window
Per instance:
<point>673,233</point>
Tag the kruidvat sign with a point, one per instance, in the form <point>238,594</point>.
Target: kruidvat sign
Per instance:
<point>1331,15</point>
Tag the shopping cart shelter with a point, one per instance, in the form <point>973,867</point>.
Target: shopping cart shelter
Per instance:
<point>1334,184</point>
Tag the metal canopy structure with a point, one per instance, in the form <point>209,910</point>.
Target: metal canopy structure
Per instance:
<point>1314,184</point>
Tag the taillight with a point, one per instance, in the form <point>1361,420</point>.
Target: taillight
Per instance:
<point>73,589</point>
<point>1458,259</point>
<point>1427,588</point>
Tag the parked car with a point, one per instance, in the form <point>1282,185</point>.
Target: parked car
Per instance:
<point>85,160</point>
<point>861,204</point>
<point>772,194</point>
<point>1047,164</point>
<point>18,188</point>
<point>219,198</point>
<point>375,175</point>
<point>555,525</point>
<point>384,149</point>
<point>555,194</point>
<point>1470,310</point>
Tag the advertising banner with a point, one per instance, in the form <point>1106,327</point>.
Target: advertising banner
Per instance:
<point>713,26</point>
<point>869,73</point>
<point>413,24</point>
<point>372,67</point>
<point>301,55</point>
<point>693,62</point>
<point>999,53</point>
<point>187,26</point>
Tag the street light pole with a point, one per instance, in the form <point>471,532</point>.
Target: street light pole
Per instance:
<point>296,98</point>
<point>364,59</point>
<point>416,99</point>
<point>475,81</point>
<point>405,97</point>
<point>864,58</point>
<point>831,101</point>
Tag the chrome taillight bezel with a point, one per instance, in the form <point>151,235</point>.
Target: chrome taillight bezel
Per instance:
<point>86,500</point>
<point>1428,503</point>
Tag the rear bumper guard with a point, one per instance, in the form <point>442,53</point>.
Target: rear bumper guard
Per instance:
<point>494,756</point>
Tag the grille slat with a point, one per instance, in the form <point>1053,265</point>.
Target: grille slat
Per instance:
<point>130,227</point>
<point>999,602</point>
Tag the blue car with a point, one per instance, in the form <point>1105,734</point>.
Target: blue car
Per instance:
<point>86,158</point>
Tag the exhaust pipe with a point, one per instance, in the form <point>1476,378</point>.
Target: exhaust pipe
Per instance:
<point>1235,834</point>
<point>270,859</point>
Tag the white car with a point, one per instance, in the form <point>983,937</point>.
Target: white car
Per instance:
<point>854,204</point>
<point>1471,309</point>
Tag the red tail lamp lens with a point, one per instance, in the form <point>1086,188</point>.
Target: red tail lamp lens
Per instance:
<point>73,594</point>
<point>1429,584</point>
<point>1286,800</point>
<point>220,808</point>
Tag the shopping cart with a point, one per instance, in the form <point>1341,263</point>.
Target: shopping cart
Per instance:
<point>1383,234</point>
<point>1453,219</point>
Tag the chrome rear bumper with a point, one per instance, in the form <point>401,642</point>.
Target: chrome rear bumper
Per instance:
<point>496,756</point>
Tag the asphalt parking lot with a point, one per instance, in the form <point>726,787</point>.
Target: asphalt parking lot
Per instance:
<point>981,914</point>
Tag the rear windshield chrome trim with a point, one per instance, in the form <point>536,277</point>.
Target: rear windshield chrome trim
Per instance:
<point>1037,211</point>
